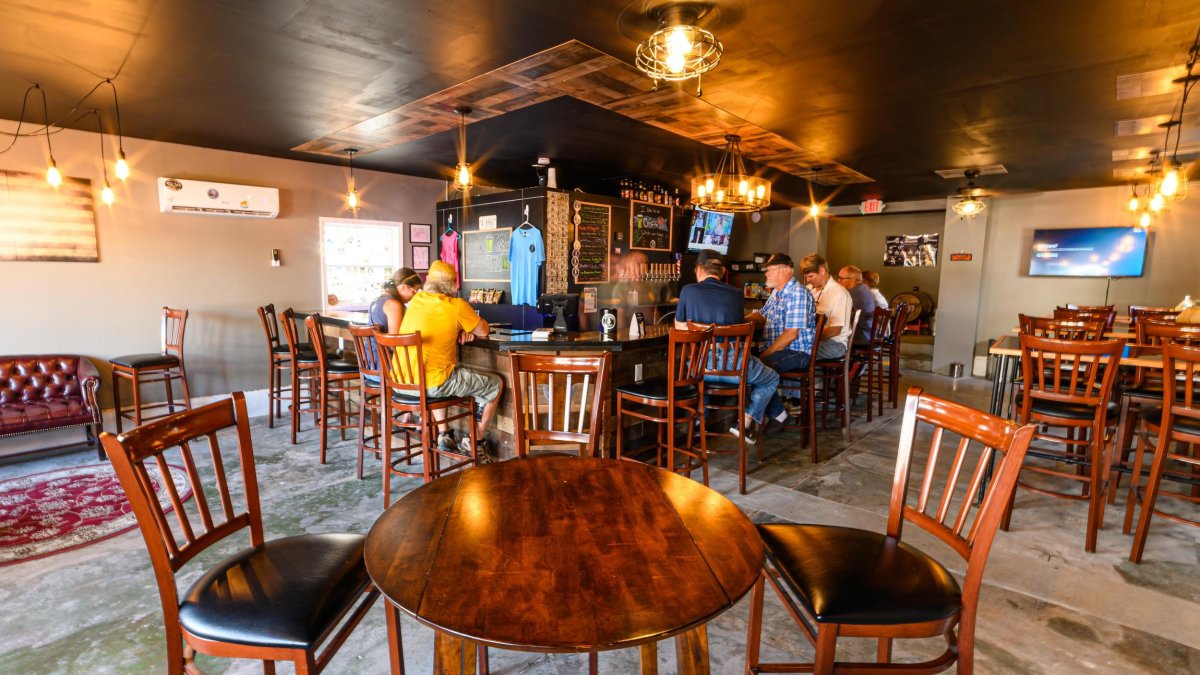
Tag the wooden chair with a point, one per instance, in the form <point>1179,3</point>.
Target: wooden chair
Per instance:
<point>900,314</point>
<point>873,354</point>
<point>280,600</point>
<point>803,382</point>
<point>165,366</point>
<point>559,400</point>
<point>660,401</point>
<point>842,582</point>
<point>835,392</point>
<point>1145,389</point>
<point>304,372</point>
<point>728,357</point>
<point>281,362</point>
<point>1068,385</point>
<point>1060,328</point>
<point>404,391</point>
<point>333,377</point>
<point>1139,312</point>
<point>1105,314</point>
<point>1175,424</point>
<point>370,390</point>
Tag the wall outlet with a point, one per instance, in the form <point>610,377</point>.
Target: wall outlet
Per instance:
<point>275,257</point>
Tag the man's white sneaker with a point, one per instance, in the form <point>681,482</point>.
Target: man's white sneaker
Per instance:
<point>750,437</point>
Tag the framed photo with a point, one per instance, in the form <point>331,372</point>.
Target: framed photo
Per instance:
<point>420,258</point>
<point>419,233</point>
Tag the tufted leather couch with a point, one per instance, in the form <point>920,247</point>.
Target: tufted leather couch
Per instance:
<point>49,391</point>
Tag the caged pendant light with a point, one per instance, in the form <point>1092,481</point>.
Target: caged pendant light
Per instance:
<point>679,49</point>
<point>968,206</point>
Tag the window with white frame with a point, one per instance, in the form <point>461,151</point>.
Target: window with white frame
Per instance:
<point>357,256</point>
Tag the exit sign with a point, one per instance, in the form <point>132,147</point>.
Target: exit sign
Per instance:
<point>871,206</point>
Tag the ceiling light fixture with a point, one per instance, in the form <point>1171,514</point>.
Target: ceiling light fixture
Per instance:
<point>730,188</point>
<point>122,166</point>
<point>106,195</point>
<point>968,206</point>
<point>679,50</point>
<point>352,193</point>
<point>462,171</point>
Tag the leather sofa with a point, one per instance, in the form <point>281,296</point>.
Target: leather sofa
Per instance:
<point>49,391</point>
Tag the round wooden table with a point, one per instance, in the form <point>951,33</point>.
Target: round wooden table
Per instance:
<point>562,554</point>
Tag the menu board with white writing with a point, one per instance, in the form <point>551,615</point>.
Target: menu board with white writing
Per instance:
<point>649,226</point>
<point>589,259</point>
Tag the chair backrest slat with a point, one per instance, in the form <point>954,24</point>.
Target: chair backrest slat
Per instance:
<point>198,495</point>
<point>290,334</point>
<point>588,375</point>
<point>960,456</point>
<point>173,324</point>
<point>365,351</point>
<point>270,324</point>
<point>935,446</point>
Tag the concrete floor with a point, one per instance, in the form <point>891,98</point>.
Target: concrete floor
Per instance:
<point>1046,607</point>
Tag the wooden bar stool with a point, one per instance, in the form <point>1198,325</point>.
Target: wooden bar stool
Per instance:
<point>404,391</point>
<point>660,401</point>
<point>872,354</point>
<point>728,358</point>
<point>281,361</point>
<point>304,373</point>
<point>370,389</point>
<point>559,400</point>
<point>334,377</point>
<point>835,376</point>
<point>803,382</point>
<point>163,367</point>
<point>899,318</point>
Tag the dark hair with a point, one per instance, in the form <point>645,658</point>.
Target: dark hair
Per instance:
<point>713,266</point>
<point>406,276</point>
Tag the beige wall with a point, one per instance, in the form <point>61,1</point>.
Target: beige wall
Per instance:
<point>217,267</point>
<point>859,240</point>
<point>1172,263</point>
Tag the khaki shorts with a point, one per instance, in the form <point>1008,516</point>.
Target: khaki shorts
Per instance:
<point>466,382</point>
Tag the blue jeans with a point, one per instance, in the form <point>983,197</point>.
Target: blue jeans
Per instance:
<point>784,361</point>
<point>762,389</point>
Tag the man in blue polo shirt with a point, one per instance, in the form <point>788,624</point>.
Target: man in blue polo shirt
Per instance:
<point>712,301</point>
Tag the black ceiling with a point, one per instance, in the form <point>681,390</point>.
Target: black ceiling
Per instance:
<point>891,88</point>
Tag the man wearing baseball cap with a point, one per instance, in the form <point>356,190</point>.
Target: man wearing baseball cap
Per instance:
<point>789,317</point>
<point>445,321</point>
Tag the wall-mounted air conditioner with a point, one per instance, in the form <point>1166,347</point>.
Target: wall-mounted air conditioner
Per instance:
<point>217,199</point>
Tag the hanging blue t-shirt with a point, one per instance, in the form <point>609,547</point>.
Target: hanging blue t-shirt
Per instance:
<point>526,253</point>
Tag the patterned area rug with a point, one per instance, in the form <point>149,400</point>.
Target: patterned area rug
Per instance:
<point>65,509</point>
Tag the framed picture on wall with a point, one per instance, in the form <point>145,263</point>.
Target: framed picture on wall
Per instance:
<point>420,233</point>
<point>420,258</point>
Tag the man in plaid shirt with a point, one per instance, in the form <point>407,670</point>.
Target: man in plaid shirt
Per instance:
<point>789,317</point>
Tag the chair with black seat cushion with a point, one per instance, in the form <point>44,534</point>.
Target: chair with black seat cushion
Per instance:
<point>872,355</point>
<point>559,401</point>
<point>1175,424</point>
<point>1145,388</point>
<point>1068,386</point>
<point>304,372</point>
<point>666,401</point>
<point>279,600</point>
<point>165,366</point>
<point>404,391</point>
<point>835,376</point>
<point>728,358</point>
<point>802,384</point>
<point>281,361</point>
<point>335,378</point>
<point>843,582</point>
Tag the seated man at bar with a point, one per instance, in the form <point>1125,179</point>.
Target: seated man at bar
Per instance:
<point>834,301</point>
<point>446,321</point>
<point>851,278</point>
<point>712,301</point>
<point>788,318</point>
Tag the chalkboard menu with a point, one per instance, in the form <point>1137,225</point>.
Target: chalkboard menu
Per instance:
<point>649,226</point>
<point>485,255</point>
<point>589,259</point>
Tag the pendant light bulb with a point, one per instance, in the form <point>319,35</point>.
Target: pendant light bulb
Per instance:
<point>1144,220</point>
<point>352,199</point>
<point>106,195</point>
<point>53,176</point>
<point>1157,202</point>
<point>1170,183</point>
<point>814,210</point>
<point>1134,204</point>
<point>462,175</point>
<point>122,167</point>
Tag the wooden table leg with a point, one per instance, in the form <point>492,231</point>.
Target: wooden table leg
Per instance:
<point>452,655</point>
<point>649,652</point>
<point>691,651</point>
<point>395,648</point>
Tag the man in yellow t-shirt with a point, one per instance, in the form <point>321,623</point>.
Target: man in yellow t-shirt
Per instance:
<point>445,322</point>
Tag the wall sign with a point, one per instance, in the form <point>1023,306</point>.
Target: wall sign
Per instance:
<point>649,226</point>
<point>485,255</point>
<point>961,257</point>
<point>487,222</point>
<point>589,257</point>
<point>871,207</point>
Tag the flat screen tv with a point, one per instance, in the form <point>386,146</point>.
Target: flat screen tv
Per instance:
<point>1088,252</point>
<point>710,231</point>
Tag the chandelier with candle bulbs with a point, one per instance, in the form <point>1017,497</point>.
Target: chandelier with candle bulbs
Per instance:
<point>730,188</point>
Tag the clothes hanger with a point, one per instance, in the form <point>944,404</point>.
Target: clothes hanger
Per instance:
<point>449,225</point>
<point>526,223</point>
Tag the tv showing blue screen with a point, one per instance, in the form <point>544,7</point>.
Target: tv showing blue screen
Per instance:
<point>710,231</point>
<point>1088,252</point>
